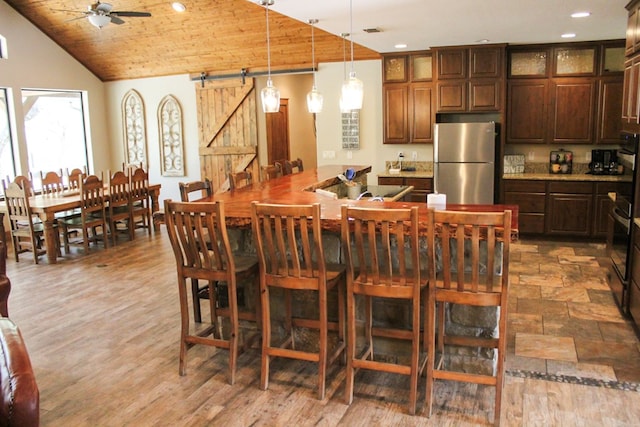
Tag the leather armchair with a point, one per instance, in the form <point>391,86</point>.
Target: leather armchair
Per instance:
<point>19,395</point>
<point>5,284</point>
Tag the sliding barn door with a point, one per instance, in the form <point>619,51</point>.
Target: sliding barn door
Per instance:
<point>228,135</point>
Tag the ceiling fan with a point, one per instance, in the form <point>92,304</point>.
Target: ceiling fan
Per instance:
<point>100,14</point>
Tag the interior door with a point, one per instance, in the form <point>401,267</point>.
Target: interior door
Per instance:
<point>227,129</point>
<point>278,133</point>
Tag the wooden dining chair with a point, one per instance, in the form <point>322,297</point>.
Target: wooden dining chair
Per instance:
<point>119,209</point>
<point>270,172</point>
<point>74,177</point>
<point>293,166</point>
<point>140,206</point>
<point>381,249</point>
<point>51,182</point>
<point>92,215</point>
<point>26,234</point>
<point>474,250</point>
<point>288,241</point>
<point>202,250</point>
<point>26,183</point>
<point>195,190</point>
<point>239,180</point>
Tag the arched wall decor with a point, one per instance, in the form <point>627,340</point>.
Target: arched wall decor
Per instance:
<point>135,138</point>
<point>171,138</point>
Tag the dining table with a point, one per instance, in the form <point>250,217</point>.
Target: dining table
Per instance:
<point>46,207</point>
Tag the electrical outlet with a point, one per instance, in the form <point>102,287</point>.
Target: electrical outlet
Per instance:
<point>414,155</point>
<point>349,154</point>
<point>587,156</point>
<point>531,156</point>
<point>329,154</point>
<point>400,155</point>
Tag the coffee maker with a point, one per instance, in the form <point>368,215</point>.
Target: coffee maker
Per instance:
<point>604,162</point>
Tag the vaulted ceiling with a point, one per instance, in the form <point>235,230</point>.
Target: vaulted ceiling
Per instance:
<point>215,36</point>
<point>225,36</point>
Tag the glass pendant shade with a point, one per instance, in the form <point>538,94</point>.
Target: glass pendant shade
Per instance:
<point>314,100</point>
<point>270,98</point>
<point>352,93</point>
<point>99,20</point>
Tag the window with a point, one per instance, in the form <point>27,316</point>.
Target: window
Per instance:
<point>54,130</point>
<point>7,165</point>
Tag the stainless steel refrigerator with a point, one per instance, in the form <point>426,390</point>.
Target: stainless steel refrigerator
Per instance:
<point>464,162</point>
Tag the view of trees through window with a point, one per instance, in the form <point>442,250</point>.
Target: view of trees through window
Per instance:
<point>54,130</point>
<point>7,165</point>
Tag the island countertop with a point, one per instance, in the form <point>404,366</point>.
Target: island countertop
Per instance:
<point>300,188</point>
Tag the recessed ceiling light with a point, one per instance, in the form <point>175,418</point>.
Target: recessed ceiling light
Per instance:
<point>400,46</point>
<point>178,7</point>
<point>580,14</point>
<point>482,41</point>
<point>568,35</point>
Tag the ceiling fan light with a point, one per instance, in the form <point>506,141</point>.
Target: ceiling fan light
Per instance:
<point>99,20</point>
<point>352,93</point>
<point>270,98</point>
<point>314,101</point>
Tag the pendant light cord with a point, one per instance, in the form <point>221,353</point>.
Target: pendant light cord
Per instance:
<point>268,45</point>
<point>313,54</point>
<point>351,31</point>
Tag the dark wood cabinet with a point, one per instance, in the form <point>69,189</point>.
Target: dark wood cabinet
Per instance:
<point>567,94</point>
<point>569,208</point>
<point>421,186</point>
<point>608,119</point>
<point>470,79</point>
<point>408,101</point>
<point>563,208</point>
<point>527,115</point>
<point>572,112</point>
<point>530,197</point>
<point>632,44</point>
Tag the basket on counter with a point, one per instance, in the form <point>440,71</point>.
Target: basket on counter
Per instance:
<point>560,162</point>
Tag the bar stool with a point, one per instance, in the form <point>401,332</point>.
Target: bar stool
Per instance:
<point>475,271</point>
<point>198,235</point>
<point>381,249</point>
<point>291,258</point>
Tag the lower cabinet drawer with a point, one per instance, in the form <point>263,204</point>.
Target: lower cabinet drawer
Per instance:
<point>528,203</point>
<point>531,223</point>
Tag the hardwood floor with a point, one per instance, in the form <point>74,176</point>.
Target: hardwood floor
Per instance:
<point>103,330</point>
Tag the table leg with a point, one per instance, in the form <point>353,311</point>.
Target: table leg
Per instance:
<point>50,238</point>
<point>155,206</point>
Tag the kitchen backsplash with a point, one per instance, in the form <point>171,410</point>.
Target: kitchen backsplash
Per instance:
<point>418,166</point>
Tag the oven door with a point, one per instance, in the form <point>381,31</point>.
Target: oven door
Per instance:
<point>618,247</point>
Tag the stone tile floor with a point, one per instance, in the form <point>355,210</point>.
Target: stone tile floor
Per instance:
<point>562,318</point>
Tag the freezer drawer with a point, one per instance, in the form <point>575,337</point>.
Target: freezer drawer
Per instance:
<point>467,183</point>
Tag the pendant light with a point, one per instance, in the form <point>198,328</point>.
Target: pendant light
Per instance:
<point>270,94</point>
<point>314,98</point>
<point>343,104</point>
<point>352,88</point>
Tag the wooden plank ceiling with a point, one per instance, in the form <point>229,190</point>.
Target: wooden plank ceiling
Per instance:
<point>216,37</point>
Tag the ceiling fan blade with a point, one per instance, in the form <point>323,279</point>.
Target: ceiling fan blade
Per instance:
<point>132,14</point>
<point>116,20</point>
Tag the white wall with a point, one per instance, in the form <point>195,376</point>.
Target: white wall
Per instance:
<point>35,61</point>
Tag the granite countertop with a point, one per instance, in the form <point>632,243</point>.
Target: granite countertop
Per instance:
<point>636,221</point>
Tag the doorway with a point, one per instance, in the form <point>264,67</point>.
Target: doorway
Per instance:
<point>278,133</point>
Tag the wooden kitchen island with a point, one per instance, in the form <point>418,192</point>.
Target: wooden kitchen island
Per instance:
<point>300,189</point>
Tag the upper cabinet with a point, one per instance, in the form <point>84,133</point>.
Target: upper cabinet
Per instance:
<point>408,98</point>
<point>470,79</point>
<point>565,93</point>
<point>630,116</point>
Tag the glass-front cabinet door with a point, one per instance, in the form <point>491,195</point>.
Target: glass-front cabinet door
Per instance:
<point>574,61</point>
<point>529,63</point>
